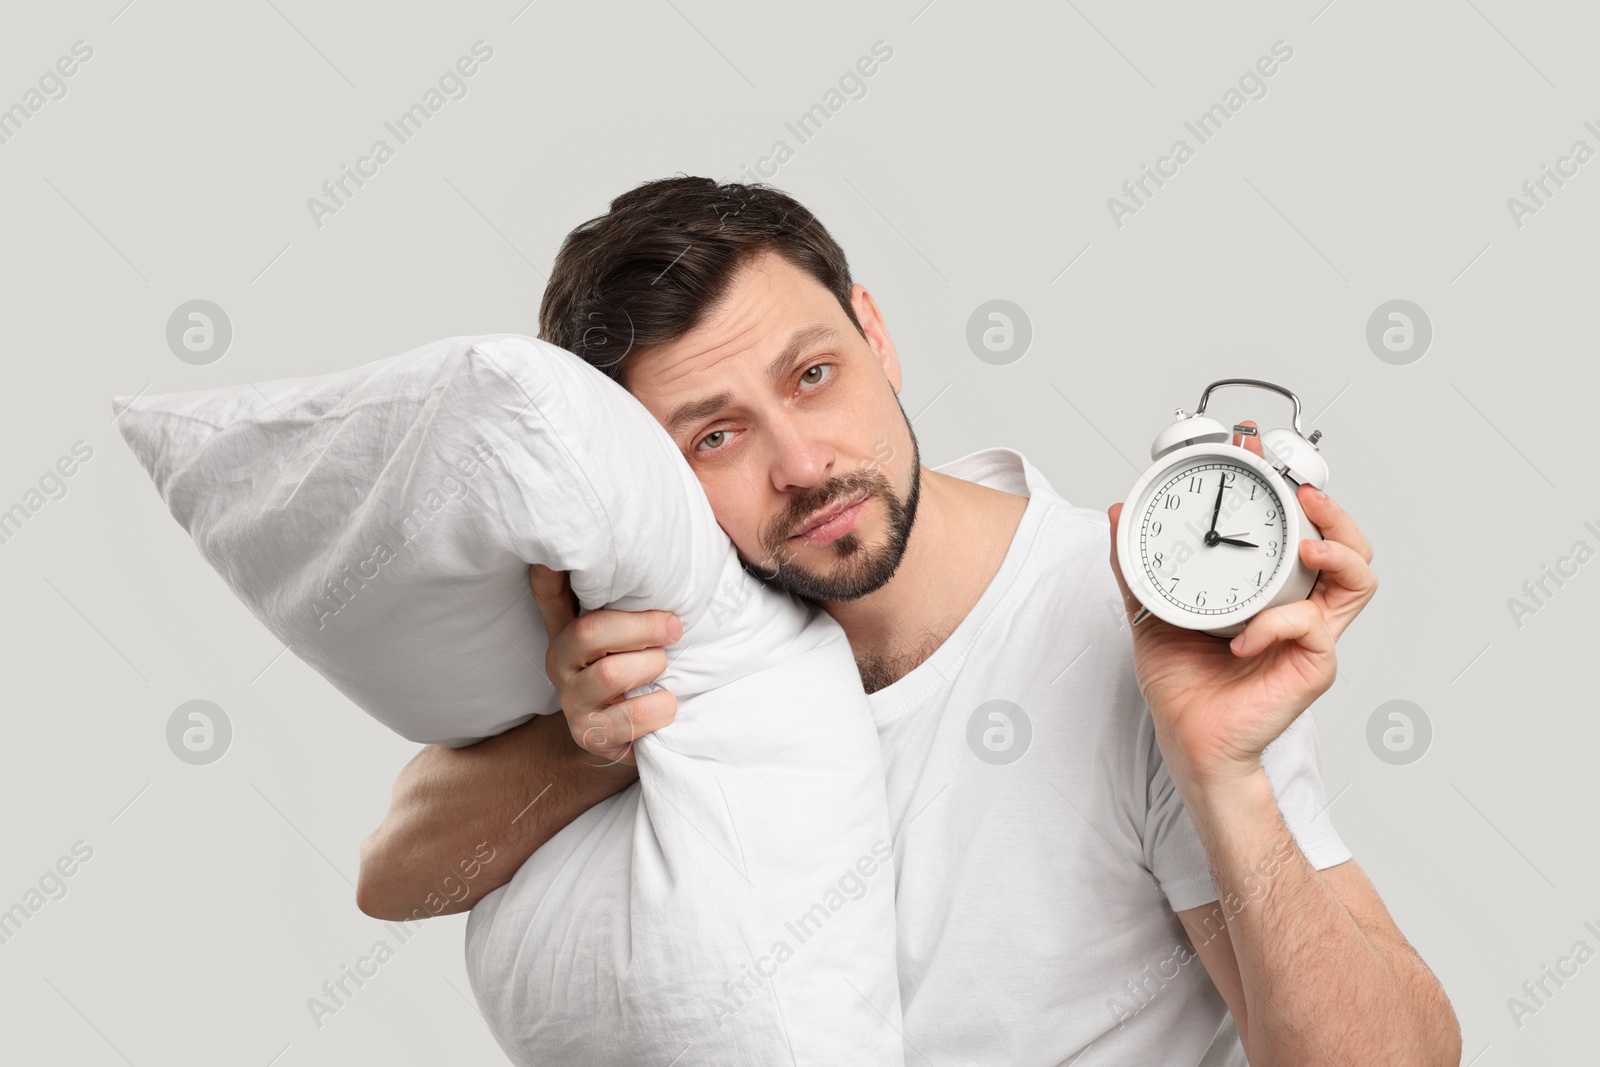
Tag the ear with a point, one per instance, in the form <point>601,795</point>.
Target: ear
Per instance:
<point>872,325</point>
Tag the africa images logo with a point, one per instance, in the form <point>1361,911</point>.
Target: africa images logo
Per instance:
<point>452,85</point>
<point>853,884</point>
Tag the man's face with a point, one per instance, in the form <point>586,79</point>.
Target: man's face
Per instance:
<point>786,412</point>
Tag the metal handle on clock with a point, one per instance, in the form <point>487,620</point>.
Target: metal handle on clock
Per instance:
<point>1259,384</point>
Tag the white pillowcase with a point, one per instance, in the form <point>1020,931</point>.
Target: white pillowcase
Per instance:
<point>738,901</point>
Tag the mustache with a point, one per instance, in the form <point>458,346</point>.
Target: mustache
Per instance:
<point>855,483</point>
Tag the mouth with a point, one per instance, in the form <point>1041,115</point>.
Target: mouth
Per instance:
<point>826,515</point>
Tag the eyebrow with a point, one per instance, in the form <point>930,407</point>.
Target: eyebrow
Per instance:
<point>801,340</point>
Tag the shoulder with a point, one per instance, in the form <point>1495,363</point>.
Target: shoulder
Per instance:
<point>1071,555</point>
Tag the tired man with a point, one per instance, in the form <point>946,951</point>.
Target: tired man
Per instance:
<point>1107,851</point>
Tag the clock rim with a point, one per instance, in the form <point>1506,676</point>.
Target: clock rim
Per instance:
<point>1133,574</point>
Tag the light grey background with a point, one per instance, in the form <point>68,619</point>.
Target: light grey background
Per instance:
<point>976,167</point>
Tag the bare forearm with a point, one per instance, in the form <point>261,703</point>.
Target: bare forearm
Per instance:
<point>462,821</point>
<point>1320,984</point>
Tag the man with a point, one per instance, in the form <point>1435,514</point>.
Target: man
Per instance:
<point>1078,817</point>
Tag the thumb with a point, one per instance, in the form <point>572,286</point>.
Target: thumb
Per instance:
<point>552,591</point>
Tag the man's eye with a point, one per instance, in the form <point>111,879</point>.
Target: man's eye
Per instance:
<point>709,436</point>
<point>805,377</point>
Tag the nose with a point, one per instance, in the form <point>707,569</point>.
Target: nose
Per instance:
<point>800,461</point>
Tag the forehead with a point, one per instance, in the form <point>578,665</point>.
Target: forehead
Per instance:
<point>767,301</point>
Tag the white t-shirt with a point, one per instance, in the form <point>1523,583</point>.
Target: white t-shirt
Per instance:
<point>1041,848</point>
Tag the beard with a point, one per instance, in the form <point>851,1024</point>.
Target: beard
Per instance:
<point>858,567</point>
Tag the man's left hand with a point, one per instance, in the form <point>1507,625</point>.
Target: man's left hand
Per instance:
<point>1217,705</point>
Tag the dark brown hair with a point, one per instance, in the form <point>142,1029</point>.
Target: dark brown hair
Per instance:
<point>650,269</point>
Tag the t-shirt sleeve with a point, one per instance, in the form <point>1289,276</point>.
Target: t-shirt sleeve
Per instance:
<point>1172,848</point>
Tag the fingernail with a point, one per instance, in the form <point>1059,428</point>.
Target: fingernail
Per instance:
<point>674,627</point>
<point>1237,643</point>
<point>1320,494</point>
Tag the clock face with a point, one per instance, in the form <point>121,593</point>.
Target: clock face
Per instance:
<point>1208,569</point>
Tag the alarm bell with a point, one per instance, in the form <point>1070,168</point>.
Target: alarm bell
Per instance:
<point>1290,452</point>
<point>1295,457</point>
<point>1189,430</point>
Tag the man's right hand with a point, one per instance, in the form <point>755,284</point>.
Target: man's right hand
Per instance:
<point>594,659</point>
<point>461,821</point>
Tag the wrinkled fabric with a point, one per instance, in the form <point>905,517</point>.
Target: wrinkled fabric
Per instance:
<point>733,906</point>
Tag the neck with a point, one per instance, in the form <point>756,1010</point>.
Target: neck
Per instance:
<point>955,547</point>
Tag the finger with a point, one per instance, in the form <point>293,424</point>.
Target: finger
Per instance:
<point>604,682</point>
<point>1346,583</point>
<point>1334,522</point>
<point>602,754</point>
<point>607,631</point>
<point>1251,443</point>
<point>606,736</point>
<point>1340,564</point>
<point>610,732</point>
<point>553,593</point>
<point>1301,621</point>
<point>643,714</point>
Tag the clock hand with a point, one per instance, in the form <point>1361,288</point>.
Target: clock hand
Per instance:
<point>1217,509</point>
<point>1235,541</point>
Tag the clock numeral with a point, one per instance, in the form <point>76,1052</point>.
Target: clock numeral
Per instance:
<point>1194,483</point>
<point>1272,513</point>
<point>1272,549</point>
<point>1257,579</point>
<point>1172,502</point>
<point>1200,599</point>
<point>1157,561</point>
<point>1233,595</point>
<point>1228,477</point>
<point>1155,528</point>
<point>1252,490</point>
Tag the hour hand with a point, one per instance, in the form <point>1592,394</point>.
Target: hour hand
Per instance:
<point>1235,541</point>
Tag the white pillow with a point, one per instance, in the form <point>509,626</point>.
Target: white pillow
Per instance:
<point>380,520</point>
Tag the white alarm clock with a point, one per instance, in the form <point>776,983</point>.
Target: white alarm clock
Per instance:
<point>1210,534</point>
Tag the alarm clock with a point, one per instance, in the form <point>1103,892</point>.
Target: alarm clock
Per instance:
<point>1210,534</point>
